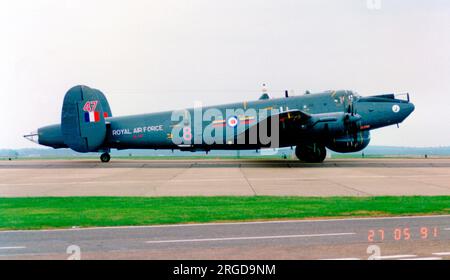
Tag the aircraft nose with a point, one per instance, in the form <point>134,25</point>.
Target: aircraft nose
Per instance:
<point>407,109</point>
<point>410,108</point>
<point>33,137</point>
<point>383,110</point>
<point>402,110</point>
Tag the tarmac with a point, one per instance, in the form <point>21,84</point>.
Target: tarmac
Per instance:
<point>418,238</point>
<point>338,177</point>
<point>209,177</point>
<point>413,238</point>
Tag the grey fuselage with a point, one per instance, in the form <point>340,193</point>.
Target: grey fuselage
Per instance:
<point>155,130</point>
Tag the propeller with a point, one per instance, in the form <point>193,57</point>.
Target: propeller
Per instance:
<point>352,120</point>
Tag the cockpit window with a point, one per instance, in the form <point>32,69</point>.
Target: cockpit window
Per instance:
<point>339,97</point>
<point>354,96</point>
<point>344,96</point>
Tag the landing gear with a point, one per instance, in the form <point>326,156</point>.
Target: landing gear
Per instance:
<point>311,153</point>
<point>105,157</point>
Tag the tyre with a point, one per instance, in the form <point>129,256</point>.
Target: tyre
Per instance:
<point>105,157</point>
<point>311,153</point>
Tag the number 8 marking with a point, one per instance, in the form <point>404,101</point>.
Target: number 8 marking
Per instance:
<point>187,134</point>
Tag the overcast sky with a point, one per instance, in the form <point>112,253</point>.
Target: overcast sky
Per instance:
<point>157,55</point>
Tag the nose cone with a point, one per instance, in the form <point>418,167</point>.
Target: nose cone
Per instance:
<point>402,110</point>
<point>409,108</point>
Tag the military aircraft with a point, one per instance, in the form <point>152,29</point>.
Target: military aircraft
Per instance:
<point>338,120</point>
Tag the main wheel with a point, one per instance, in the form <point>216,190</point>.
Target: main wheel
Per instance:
<point>312,153</point>
<point>105,157</point>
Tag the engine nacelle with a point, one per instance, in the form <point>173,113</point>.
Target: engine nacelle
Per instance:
<point>350,143</point>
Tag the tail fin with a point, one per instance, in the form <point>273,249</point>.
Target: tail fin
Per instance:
<point>83,117</point>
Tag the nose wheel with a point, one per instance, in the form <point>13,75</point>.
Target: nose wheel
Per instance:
<point>105,157</point>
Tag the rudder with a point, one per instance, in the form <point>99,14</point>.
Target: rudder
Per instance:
<point>83,117</point>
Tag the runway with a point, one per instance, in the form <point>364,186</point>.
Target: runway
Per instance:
<point>335,177</point>
<point>370,238</point>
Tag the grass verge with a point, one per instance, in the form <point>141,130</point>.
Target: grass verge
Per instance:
<point>66,212</point>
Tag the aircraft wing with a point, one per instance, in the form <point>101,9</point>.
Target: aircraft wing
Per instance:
<point>289,124</point>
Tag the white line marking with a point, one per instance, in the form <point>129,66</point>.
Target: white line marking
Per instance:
<point>248,238</point>
<point>395,257</point>
<point>342,259</point>
<point>442,254</point>
<point>13,248</point>
<point>422,259</point>
<point>236,223</point>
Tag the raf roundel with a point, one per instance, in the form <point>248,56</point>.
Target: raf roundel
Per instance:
<point>395,108</point>
<point>233,122</point>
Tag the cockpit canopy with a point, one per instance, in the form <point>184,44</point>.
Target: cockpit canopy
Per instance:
<point>344,96</point>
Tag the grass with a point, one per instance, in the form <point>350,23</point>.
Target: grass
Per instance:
<point>59,212</point>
